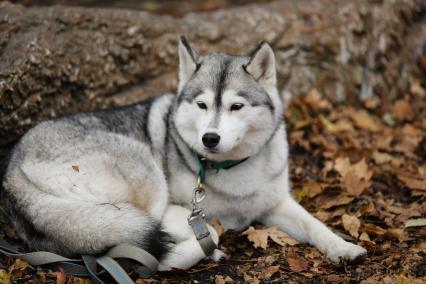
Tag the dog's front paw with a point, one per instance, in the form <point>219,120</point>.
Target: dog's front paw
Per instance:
<point>346,251</point>
<point>217,255</point>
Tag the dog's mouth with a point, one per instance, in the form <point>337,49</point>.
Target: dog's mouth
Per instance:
<point>211,150</point>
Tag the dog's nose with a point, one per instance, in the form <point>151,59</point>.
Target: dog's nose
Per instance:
<point>210,140</point>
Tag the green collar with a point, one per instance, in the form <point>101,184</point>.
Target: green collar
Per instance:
<point>204,164</point>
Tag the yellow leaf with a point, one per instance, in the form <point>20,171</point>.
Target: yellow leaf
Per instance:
<point>4,277</point>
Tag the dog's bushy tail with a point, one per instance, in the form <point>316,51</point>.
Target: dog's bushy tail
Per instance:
<point>72,228</point>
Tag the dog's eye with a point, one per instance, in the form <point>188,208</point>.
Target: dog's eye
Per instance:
<point>201,105</point>
<point>236,106</point>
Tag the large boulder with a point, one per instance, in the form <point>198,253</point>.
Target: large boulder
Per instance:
<point>58,60</point>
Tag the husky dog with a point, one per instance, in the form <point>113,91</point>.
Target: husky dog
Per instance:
<point>84,183</point>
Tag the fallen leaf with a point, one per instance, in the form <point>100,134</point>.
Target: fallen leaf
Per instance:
<point>342,165</point>
<point>220,280</point>
<point>363,119</point>
<point>402,110</point>
<point>334,278</point>
<point>351,224</point>
<point>4,277</point>
<point>355,178</point>
<point>217,225</point>
<point>412,182</point>
<point>381,158</point>
<point>19,264</point>
<point>61,278</point>
<point>313,98</point>
<point>328,124</point>
<point>76,168</point>
<point>259,237</point>
<point>364,237</point>
<point>420,222</point>
<point>417,89</point>
<point>344,125</point>
<point>353,184</point>
<point>282,238</point>
<point>337,201</point>
<point>401,279</point>
<point>268,272</point>
<point>373,229</point>
<point>297,264</point>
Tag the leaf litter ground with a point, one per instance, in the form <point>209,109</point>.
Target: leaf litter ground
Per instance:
<point>360,169</point>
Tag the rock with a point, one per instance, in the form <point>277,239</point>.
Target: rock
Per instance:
<point>59,60</point>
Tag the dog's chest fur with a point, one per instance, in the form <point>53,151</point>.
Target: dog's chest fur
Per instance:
<point>239,195</point>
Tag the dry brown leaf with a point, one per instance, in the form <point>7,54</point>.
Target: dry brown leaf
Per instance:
<point>373,229</point>
<point>353,184</point>
<point>297,264</point>
<point>217,225</point>
<point>61,278</point>
<point>259,238</point>
<point>76,168</point>
<point>313,98</point>
<point>351,224</point>
<point>337,201</point>
<point>364,237</point>
<point>363,119</point>
<point>344,125</point>
<point>220,280</point>
<point>402,110</point>
<point>282,238</point>
<point>362,171</point>
<point>342,165</point>
<point>334,278</point>
<point>19,264</point>
<point>401,279</point>
<point>381,158</point>
<point>417,89</point>
<point>412,182</point>
<point>355,178</point>
<point>268,272</point>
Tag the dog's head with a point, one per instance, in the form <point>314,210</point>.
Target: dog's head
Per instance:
<point>227,107</point>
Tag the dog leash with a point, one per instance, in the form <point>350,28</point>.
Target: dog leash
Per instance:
<point>197,218</point>
<point>87,265</point>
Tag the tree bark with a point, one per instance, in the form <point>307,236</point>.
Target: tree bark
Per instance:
<point>59,60</point>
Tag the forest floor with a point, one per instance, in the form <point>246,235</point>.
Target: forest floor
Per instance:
<point>360,168</point>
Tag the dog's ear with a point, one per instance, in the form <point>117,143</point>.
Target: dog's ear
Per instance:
<point>188,60</point>
<point>262,64</point>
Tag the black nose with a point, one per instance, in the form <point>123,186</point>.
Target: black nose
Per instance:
<point>210,140</point>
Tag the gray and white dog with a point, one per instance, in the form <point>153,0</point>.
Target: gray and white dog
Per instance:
<point>84,183</point>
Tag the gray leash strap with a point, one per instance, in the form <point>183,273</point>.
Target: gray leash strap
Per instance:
<point>136,254</point>
<point>87,266</point>
<point>207,244</point>
<point>114,269</point>
<point>90,263</point>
